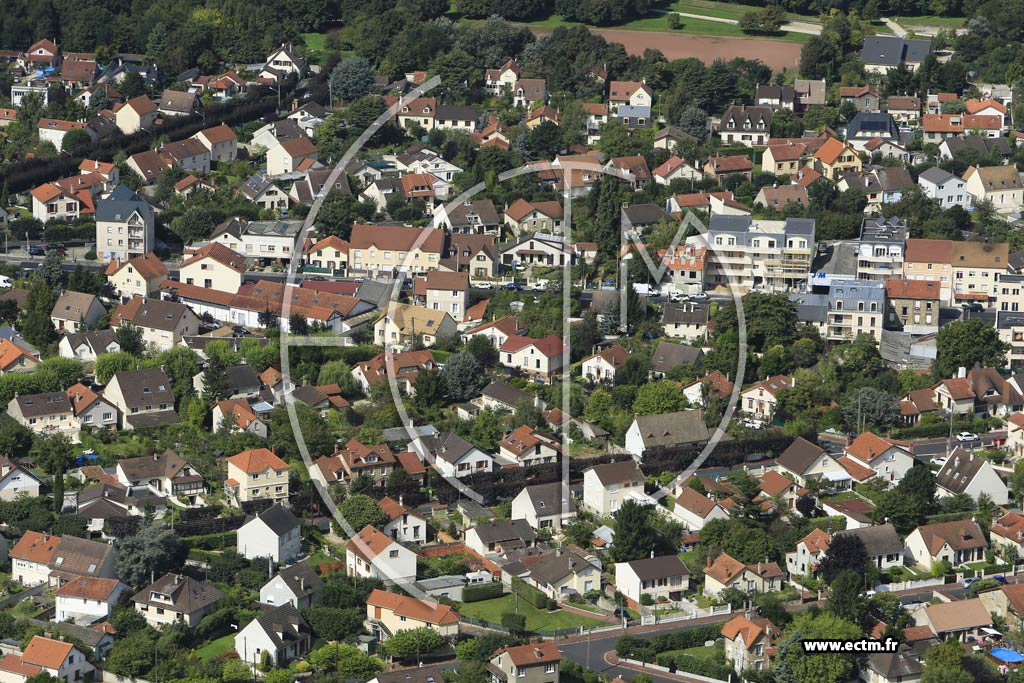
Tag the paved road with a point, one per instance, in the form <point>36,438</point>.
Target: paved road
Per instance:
<point>895,28</point>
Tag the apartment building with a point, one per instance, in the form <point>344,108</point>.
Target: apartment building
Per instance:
<point>125,226</point>
<point>881,248</point>
<point>976,267</point>
<point>851,307</point>
<point>925,259</point>
<point>772,256</point>
<point>385,251</point>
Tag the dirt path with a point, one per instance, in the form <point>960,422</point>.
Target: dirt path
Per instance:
<point>778,54</point>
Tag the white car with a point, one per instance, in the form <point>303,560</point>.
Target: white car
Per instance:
<point>699,296</point>
<point>967,437</point>
<point>941,462</point>
<point>484,285</point>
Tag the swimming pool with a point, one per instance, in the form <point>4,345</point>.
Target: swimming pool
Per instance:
<point>1008,656</point>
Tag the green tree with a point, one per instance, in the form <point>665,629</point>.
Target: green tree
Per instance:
<point>129,338</point>
<point>15,438</point>
<point>845,553</point>
<point>796,665</point>
<point>152,551</point>
<point>943,663</point>
<point>351,79</point>
<point>338,372</point>
<point>109,364</point>
<point>637,536</point>
<point>52,270</point>
<point>360,511</point>
<point>413,642</point>
<point>657,398</point>
<point>845,598</point>
<point>347,661</point>
<point>463,377</point>
<point>132,654</point>
<point>967,343</point>
<point>868,406</point>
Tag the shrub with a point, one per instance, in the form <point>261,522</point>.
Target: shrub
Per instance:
<point>552,605</point>
<point>674,22</point>
<point>527,592</point>
<point>693,665</point>
<point>646,599</point>
<point>482,591</point>
<point>90,255</point>
<point>515,623</point>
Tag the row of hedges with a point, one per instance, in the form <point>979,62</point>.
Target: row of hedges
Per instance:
<point>226,539</point>
<point>482,591</point>
<point>527,592</point>
<point>647,649</point>
<point>694,665</point>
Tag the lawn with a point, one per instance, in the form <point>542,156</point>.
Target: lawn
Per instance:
<point>728,10</point>
<point>536,620</point>
<point>659,23</point>
<point>216,648</point>
<point>692,562</point>
<point>942,22</point>
<point>713,653</point>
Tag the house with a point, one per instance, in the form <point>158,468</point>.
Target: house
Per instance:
<point>720,168</point>
<point>274,533</point>
<point>668,356</point>
<point>143,397</point>
<point>453,456</point>
<point>67,199</point>
<point>882,543</point>
<point>726,572</point>
<point>407,366</point>
<point>92,410</point>
<point>976,267</point>
<point>139,276</point>
<point>675,168</point>
<point>237,413</point>
<point>213,266</point>
<point>541,358</point>
<point>1000,185</point>
<point>956,147</point>
<point>125,226</point>
<point>889,459</point>
<point>810,550</point>
<point>749,643</point>
<point>189,155</point>
<point>468,217</point>
<point>138,113</point>
<point>633,169</point>
<point>856,514</point>
<point>882,53</point>
<point>265,193</point>
<point>778,197</point>
<point>75,310</point>
<point>604,365</point>
<point>87,600</point>
<point>695,510</point>
<point>883,185</point>
<point>471,253</point>
<point>746,125</point>
<point>905,109</point>
<point>675,430</point>
<point>162,323</point>
<point>531,663</point>
<point>257,474</point>
<point>864,97</point>
<point>379,251</point>
<point>502,79</point>
<point>54,130</point>
<point>328,255</point>
<point>542,114</point>
<point>803,461</point>
<point>961,620</point>
<point>685,265</point>
<point>374,554</point>
<point>687,320</point>
<point>281,632</point>
<point>566,572</point>
<point>177,103</point>
<point>760,400</point>
<point>444,291</point>
<point>945,187</point>
<point>56,658</point>
<point>283,61</point>
<point>965,472</point>
<point>638,218</point>
<point>298,585</point>
<point>775,96</point>
<point>881,149</point>
<point>786,158</point>
<point>606,487</point>
<point>537,249</point>
<point>866,126</point>
<point>529,93</point>
<point>388,613</point>
<point>404,524</point>
<point>528,447</point>
<point>15,480</point>
<point>544,506</point>
<point>629,93</point>
<point>43,558</point>
<point>177,599</point>
<point>662,579</point>
<point>14,358</point>
<point>403,325</point>
<point>500,536</point>
<point>46,413</point>
<point>164,473</point>
<point>835,158</point>
<point>958,543</point>
<point>356,460</point>
<point>499,396</point>
<point>220,141</point>
<point>297,154</point>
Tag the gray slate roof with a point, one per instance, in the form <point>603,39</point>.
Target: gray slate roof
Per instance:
<point>279,519</point>
<point>549,499</point>
<point>878,540</point>
<point>891,50</point>
<point>673,429</point>
<point>120,204</point>
<point>669,355</point>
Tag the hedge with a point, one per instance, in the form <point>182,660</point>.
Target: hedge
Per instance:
<point>482,591</point>
<point>219,541</point>
<point>693,665</point>
<point>646,650</point>
<point>532,595</point>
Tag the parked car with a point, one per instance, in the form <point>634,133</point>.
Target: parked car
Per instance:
<point>973,307</point>
<point>510,287</point>
<point>36,250</point>
<point>1000,578</point>
<point>484,285</point>
<point>969,581</point>
<point>939,461</point>
<point>967,437</point>
<point>699,296</point>
<point>59,248</point>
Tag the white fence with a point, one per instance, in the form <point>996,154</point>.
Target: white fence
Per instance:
<point>908,585</point>
<point>697,613</point>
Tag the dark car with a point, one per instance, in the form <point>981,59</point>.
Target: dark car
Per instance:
<point>973,307</point>
<point>36,250</point>
<point>510,287</point>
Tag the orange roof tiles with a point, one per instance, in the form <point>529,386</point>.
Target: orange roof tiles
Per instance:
<point>899,288</point>
<point>426,611</point>
<point>856,470</point>
<point>751,630</point>
<point>369,543</point>
<point>11,353</point>
<point>257,460</point>
<point>830,151</point>
<point>533,653</point>
<point>46,652</point>
<point>36,547</point>
<point>88,588</point>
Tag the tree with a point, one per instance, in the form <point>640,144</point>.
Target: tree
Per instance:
<point>869,406</point>
<point>796,665</point>
<point>430,388</point>
<point>132,654</point>
<point>216,385</point>
<point>637,537</point>
<point>806,506</point>
<point>694,121</point>
<point>817,58</point>
<point>129,338</point>
<point>462,377</point>
<point>153,551</point>
<point>943,663</point>
<point>52,452</point>
<point>334,623</point>
<point>351,79</point>
<point>360,511</point>
<point>74,139</point>
<point>482,348</point>
<point>968,343</point>
<point>52,270</point>
<point>657,398</point>
<point>338,372</point>
<point>413,642</point>
<point>347,661</point>
<point>845,598</point>
<point>919,483</point>
<point>35,323</point>
<point>364,111</point>
<point>15,438</point>
<point>544,140</point>
<point>109,364</point>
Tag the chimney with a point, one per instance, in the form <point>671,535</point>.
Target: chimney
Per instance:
<point>707,564</point>
<point>961,372</point>
<point>177,579</point>
<point>302,583</point>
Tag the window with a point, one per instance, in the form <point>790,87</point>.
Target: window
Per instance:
<point>393,554</point>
